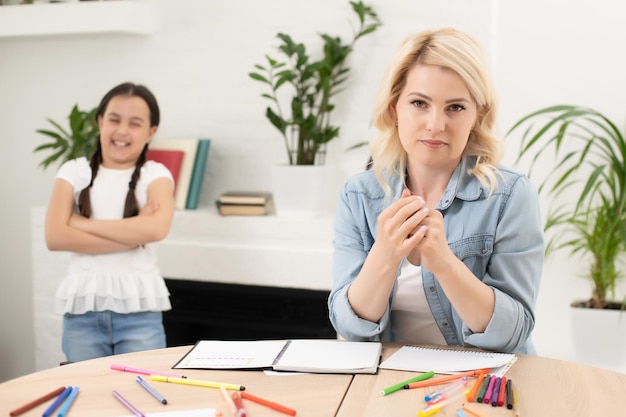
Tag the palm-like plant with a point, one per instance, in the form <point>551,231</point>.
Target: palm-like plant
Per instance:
<point>590,160</point>
<point>81,140</point>
<point>305,123</point>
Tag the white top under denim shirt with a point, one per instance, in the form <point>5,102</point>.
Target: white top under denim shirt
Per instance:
<point>499,238</point>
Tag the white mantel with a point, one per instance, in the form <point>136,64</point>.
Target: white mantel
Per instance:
<point>265,250</point>
<point>203,246</point>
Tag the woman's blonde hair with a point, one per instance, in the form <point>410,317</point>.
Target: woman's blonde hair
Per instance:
<point>456,51</point>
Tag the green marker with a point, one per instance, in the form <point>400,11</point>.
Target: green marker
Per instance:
<point>401,385</point>
<point>483,389</point>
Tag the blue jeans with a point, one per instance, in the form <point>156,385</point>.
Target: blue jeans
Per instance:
<point>105,333</point>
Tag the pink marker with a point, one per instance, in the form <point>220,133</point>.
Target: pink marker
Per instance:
<point>143,371</point>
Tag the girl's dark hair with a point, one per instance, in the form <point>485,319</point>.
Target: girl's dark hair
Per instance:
<point>131,208</point>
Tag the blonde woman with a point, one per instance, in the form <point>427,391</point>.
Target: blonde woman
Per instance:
<point>438,243</point>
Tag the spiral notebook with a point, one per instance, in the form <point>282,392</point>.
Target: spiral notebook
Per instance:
<point>447,361</point>
<point>297,355</point>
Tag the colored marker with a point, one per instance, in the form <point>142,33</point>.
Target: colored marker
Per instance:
<point>241,412</point>
<point>34,403</point>
<point>151,390</point>
<point>401,385</point>
<point>483,389</point>
<point>473,410</point>
<point>143,371</point>
<point>445,392</point>
<point>68,402</point>
<point>229,400</point>
<point>448,378</point>
<point>127,404</point>
<point>57,402</point>
<point>274,406</point>
<point>509,394</point>
<point>496,392</point>
<point>489,391</point>
<point>474,391</point>
<point>434,408</point>
<point>502,393</point>
<point>197,382</point>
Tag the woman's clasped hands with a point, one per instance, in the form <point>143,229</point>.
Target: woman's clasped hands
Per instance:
<point>409,229</point>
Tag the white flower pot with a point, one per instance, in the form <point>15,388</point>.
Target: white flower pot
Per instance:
<point>302,190</point>
<point>600,337</point>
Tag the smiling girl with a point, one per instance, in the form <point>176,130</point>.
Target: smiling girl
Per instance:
<point>438,244</point>
<point>107,211</point>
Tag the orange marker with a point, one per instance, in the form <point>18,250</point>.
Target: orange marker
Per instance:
<point>441,380</point>
<point>473,411</point>
<point>474,391</point>
<point>270,404</point>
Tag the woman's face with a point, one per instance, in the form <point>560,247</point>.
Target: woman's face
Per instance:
<point>435,114</point>
<point>124,131</point>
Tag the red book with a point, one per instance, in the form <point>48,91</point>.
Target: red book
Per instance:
<point>171,158</point>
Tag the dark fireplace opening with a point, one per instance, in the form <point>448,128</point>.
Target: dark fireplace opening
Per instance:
<point>210,310</point>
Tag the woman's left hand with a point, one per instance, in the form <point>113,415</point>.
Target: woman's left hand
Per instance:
<point>433,248</point>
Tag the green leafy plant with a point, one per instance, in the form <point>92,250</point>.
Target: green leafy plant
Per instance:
<point>305,123</point>
<point>590,163</point>
<point>80,140</point>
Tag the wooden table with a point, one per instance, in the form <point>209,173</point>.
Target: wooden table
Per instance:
<point>311,395</point>
<point>545,388</point>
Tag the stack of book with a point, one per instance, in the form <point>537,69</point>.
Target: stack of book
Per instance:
<point>244,203</point>
<point>186,158</point>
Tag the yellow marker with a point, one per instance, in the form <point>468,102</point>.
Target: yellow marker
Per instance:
<point>196,382</point>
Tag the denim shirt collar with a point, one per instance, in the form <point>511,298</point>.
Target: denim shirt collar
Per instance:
<point>464,187</point>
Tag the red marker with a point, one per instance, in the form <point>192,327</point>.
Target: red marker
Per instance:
<point>36,402</point>
<point>241,412</point>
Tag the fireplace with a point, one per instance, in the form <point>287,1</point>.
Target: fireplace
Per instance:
<point>211,310</point>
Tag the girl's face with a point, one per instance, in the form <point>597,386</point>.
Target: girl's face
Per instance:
<point>435,114</point>
<point>124,131</point>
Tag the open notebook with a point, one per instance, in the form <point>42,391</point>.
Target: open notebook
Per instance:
<point>297,355</point>
<point>447,361</point>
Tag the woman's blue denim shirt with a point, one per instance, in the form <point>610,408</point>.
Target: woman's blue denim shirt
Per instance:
<point>499,238</point>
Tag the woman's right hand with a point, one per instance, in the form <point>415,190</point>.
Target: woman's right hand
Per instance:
<point>399,232</point>
<point>399,226</point>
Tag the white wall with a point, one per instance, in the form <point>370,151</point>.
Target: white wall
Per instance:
<point>197,64</point>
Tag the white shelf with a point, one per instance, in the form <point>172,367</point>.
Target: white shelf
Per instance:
<point>75,18</point>
<point>275,251</point>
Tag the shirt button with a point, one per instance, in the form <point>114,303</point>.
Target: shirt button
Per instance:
<point>483,251</point>
<point>444,324</point>
<point>431,289</point>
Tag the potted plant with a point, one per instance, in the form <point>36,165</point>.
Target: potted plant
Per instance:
<point>81,140</point>
<point>302,115</point>
<point>590,153</point>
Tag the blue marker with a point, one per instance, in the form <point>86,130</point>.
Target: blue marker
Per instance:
<point>68,403</point>
<point>57,402</point>
<point>151,390</point>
